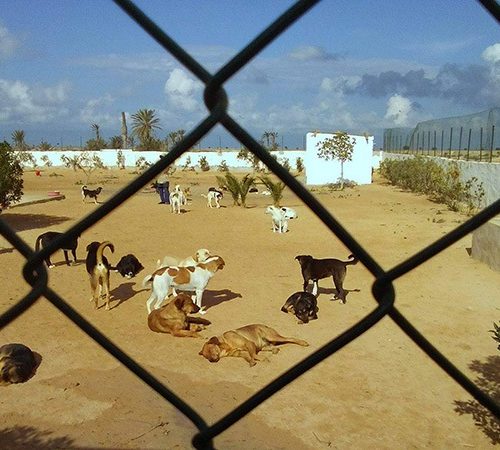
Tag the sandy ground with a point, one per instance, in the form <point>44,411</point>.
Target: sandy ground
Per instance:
<point>380,391</point>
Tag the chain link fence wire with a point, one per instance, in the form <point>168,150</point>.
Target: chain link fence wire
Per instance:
<point>216,101</point>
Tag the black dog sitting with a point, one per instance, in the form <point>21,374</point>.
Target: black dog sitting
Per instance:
<point>303,304</point>
<point>128,266</point>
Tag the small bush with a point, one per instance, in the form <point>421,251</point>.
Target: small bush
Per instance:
<point>299,165</point>
<point>46,161</point>
<point>275,188</point>
<point>424,176</point>
<point>203,163</point>
<point>223,167</point>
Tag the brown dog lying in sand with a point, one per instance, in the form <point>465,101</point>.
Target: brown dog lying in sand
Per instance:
<point>173,318</point>
<point>246,342</point>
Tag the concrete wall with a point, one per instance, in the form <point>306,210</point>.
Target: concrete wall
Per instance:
<point>320,171</point>
<point>486,173</point>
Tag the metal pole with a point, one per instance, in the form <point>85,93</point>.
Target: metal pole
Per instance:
<point>442,141</point>
<point>460,142</point>
<point>481,145</point>
<point>434,146</point>
<point>451,140</point>
<point>492,139</point>
<point>468,144</point>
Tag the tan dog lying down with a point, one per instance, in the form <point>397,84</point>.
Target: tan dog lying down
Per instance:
<point>173,318</point>
<point>246,342</point>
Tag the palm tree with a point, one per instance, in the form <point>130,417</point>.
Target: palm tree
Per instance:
<point>95,128</point>
<point>275,188</point>
<point>18,139</point>
<point>144,122</point>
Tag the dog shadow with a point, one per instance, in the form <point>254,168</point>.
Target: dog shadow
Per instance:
<point>23,222</point>
<point>6,250</point>
<point>122,293</point>
<point>213,298</point>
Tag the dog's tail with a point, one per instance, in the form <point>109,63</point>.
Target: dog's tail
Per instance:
<point>198,320</point>
<point>352,260</point>
<point>204,195</point>
<point>37,243</point>
<point>147,281</point>
<point>101,248</point>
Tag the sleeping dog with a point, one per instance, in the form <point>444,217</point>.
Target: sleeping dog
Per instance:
<point>316,269</point>
<point>17,363</point>
<point>98,268</point>
<point>303,304</point>
<point>128,266</point>
<point>91,193</point>
<point>45,239</point>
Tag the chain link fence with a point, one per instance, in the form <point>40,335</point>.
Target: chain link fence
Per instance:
<point>216,101</point>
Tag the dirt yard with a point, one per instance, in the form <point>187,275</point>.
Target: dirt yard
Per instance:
<point>381,391</point>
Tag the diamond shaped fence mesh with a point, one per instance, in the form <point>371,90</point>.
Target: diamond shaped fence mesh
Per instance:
<point>216,101</point>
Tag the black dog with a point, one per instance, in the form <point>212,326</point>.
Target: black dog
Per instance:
<point>316,269</point>
<point>303,304</point>
<point>17,363</point>
<point>128,266</point>
<point>45,239</point>
<point>91,193</point>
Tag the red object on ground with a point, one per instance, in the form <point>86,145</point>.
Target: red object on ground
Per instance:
<point>38,173</point>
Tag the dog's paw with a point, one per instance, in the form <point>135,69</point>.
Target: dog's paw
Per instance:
<point>202,310</point>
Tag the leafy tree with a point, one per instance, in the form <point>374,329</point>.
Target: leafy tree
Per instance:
<point>247,155</point>
<point>144,122</point>
<point>11,176</point>
<point>275,188</point>
<point>268,139</point>
<point>46,160</point>
<point>340,147</point>
<point>44,146</point>
<point>203,163</point>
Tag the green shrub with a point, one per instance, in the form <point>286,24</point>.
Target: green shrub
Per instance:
<point>275,188</point>
<point>424,176</point>
<point>203,163</point>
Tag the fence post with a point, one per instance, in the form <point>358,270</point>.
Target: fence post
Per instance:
<point>468,145</point>
<point>492,139</point>
<point>481,145</point>
<point>428,142</point>
<point>460,142</point>
<point>442,141</point>
<point>434,146</point>
<point>451,139</point>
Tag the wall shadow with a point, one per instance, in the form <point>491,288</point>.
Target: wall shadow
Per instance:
<point>489,382</point>
<point>22,222</point>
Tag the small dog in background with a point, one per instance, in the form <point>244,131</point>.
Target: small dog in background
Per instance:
<point>213,195</point>
<point>98,268</point>
<point>17,364</point>
<point>128,266</point>
<point>303,304</point>
<point>280,217</point>
<point>91,193</point>
<point>317,269</point>
<point>177,199</point>
<point>46,238</point>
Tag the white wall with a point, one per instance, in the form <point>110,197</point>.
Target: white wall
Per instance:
<point>320,171</point>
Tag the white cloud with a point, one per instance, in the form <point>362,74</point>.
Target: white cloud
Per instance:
<point>20,102</point>
<point>492,54</point>
<point>8,43</point>
<point>95,112</point>
<point>398,110</point>
<point>182,91</point>
<point>311,53</point>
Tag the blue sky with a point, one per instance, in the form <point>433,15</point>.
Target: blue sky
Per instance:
<point>353,65</point>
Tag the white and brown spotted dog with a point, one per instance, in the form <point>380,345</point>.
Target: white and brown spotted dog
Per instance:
<point>191,278</point>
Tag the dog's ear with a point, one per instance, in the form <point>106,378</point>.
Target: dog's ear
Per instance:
<point>213,340</point>
<point>179,302</point>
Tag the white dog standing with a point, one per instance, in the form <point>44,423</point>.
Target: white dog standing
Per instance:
<point>280,217</point>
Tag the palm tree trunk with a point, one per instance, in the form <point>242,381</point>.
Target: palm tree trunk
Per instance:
<point>124,131</point>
